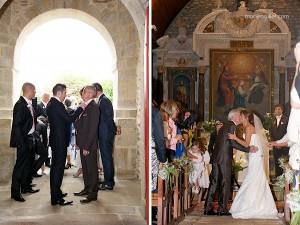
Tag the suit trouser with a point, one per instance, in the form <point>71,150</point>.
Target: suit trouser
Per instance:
<point>42,151</point>
<point>219,177</point>
<point>279,153</point>
<point>106,150</point>
<point>59,156</point>
<point>90,171</point>
<point>22,176</point>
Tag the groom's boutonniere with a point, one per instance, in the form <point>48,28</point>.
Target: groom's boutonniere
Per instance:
<point>281,122</point>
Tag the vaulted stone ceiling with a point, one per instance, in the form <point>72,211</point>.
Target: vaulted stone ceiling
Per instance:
<point>165,11</point>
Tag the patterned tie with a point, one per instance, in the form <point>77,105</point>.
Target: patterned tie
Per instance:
<point>32,114</point>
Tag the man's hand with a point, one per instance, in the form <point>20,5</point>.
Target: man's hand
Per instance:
<point>272,144</point>
<point>85,152</point>
<point>253,148</point>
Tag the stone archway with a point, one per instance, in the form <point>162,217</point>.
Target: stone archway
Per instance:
<point>123,31</point>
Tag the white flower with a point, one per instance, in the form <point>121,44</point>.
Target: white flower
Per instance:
<point>293,199</point>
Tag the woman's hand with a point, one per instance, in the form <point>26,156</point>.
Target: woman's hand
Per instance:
<point>232,136</point>
<point>178,137</point>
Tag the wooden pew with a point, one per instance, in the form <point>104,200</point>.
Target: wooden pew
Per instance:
<point>179,190</point>
<point>163,200</point>
<point>287,211</point>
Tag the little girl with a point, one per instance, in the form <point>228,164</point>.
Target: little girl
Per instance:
<point>198,167</point>
<point>204,179</point>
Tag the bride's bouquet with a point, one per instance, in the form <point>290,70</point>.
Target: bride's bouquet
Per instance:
<point>209,126</point>
<point>237,163</point>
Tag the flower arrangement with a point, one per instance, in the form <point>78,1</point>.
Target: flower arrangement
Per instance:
<point>267,121</point>
<point>287,175</point>
<point>166,173</point>
<point>209,126</point>
<point>237,163</point>
<point>184,160</point>
<point>293,199</point>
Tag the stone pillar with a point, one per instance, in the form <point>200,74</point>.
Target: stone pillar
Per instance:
<point>160,84</point>
<point>201,99</point>
<point>282,70</point>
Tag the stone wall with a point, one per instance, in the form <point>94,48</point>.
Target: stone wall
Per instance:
<point>195,10</point>
<point>125,34</point>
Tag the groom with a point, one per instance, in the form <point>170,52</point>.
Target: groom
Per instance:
<point>222,165</point>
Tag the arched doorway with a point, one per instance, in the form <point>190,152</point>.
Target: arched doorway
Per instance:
<point>122,33</point>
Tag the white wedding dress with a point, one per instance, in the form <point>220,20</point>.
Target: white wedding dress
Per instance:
<point>254,198</point>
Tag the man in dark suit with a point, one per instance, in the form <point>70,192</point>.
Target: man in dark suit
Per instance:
<point>278,129</point>
<point>22,138</point>
<point>59,120</point>
<point>221,159</point>
<point>107,131</point>
<point>41,146</point>
<point>42,114</point>
<point>87,140</point>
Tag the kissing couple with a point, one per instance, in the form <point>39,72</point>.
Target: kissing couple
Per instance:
<point>254,198</point>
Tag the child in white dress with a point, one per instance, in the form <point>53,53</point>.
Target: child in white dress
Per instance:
<point>204,179</point>
<point>198,167</point>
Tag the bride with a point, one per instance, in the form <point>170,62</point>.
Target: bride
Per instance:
<point>254,198</point>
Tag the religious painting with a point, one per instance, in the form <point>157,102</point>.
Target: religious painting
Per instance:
<point>240,79</point>
<point>182,86</point>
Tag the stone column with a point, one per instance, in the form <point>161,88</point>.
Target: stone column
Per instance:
<point>160,84</point>
<point>201,71</point>
<point>282,70</point>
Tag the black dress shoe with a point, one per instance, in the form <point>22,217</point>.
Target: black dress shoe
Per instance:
<point>32,185</point>
<point>223,213</point>
<point>64,195</point>
<point>210,213</point>
<point>18,198</point>
<point>105,187</point>
<point>89,198</point>
<point>61,202</point>
<point>30,190</point>
<point>81,193</point>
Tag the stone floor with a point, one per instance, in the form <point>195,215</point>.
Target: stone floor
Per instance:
<point>120,206</point>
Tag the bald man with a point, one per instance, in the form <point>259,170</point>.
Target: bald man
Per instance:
<point>22,138</point>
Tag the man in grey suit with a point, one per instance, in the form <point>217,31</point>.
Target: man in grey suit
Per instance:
<point>87,140</point>
<point>107,131</point>
<point>221,159</point>
<point>59,121</point>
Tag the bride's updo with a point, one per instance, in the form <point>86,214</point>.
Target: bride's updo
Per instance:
<point>249,115</point>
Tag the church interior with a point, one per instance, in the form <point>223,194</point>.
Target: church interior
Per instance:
<point>196,42</point>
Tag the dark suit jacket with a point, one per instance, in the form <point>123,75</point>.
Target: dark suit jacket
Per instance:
<point>107,126</point>
<point>22,123</point>
<point>277,133</point>
<point>41,109</point>
<point>157,134</point>
<point>59,121</point>
<point>87,127</point>
<point>223,150</point>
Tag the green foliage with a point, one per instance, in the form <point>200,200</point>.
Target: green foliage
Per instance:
<point>209,126</point>
<point>75,83</point>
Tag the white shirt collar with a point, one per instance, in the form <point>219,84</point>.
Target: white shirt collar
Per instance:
<point>27,100</point>
<point>45,104</point>
<point>56,98</point>
<point>88,102</point>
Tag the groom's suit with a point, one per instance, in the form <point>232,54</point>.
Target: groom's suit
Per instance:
<point>222,156</point>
